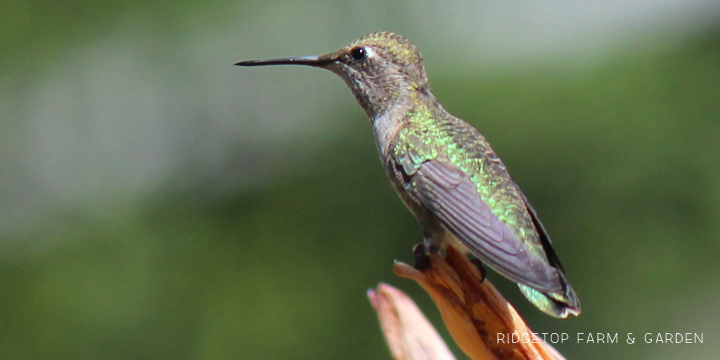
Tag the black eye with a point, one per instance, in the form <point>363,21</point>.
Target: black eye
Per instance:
<point>358,54</point>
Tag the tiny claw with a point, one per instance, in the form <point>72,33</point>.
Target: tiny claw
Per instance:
<point>422,262</point>
<point>479,265</point>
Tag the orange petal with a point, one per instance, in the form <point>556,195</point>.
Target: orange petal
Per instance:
<point>475,313</point>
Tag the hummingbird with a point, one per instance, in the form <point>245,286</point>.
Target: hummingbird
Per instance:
<point>444,170</point>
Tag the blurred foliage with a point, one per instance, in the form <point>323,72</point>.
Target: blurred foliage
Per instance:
<point>621,162</point>
<point>36,30</point>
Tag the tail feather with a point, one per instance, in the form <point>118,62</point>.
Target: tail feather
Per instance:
<point>553,304</point>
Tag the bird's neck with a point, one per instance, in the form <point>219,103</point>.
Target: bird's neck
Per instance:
<point>387,124</point>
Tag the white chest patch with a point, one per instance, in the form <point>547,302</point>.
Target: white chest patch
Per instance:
<point>384,127</point>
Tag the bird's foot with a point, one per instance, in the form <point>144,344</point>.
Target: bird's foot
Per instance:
<point>422,261</point>
<point>479,265</point>
<point>434,249</point>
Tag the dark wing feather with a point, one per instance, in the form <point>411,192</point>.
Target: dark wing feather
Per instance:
<point>451,195</point>
<point>552,256</point>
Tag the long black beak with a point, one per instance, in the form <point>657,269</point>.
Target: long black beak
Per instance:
<point>314,60</point>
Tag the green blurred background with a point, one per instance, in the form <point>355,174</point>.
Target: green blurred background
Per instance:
<point>157,202</point>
